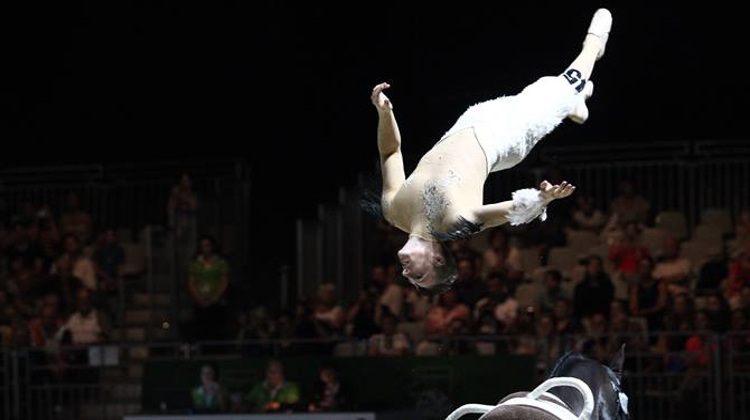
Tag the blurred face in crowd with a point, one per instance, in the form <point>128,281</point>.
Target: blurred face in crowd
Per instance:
<point>465,270</point>
<point>645,268</point>
<point>594,267</point>
<point>449,298</point>
<point>702,321</point>
<point>680,304</point>
<point>208,375</point>
<point>561,309</point>
<point>274,374</point>
<point>207,248</point>
<point>110,237</point>
<point>545,325</point>
<point>377,275</point>
<point>498,240</point>
<point>84,301</point>
<point>617,313</point>
<point>328,376</point>
<point>493,286</point>
<point>713,304</point>
<point>598,323</point>
<point>71,245</point>
<point>671,247</point>
<point>185,182</point>
<point>739,320</point>
<point>550,281</point>
<point>327,296</point>
<point>631,231</point>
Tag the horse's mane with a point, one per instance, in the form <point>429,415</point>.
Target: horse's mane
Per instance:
<point>565,361</point>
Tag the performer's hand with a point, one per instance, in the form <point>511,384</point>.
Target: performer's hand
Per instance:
<point>378,98</point>
<point>552,192</point>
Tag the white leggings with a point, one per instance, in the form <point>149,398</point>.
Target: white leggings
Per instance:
<point>508,127</point>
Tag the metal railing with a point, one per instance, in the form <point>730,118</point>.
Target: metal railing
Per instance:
<point>105,381</point>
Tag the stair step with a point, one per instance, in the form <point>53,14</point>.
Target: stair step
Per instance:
<point>126,391</point>
<point>108,410</point>
<point>137,316</point>
<point>138,352</point>
<point>135,334</point>
<point>147,300</point>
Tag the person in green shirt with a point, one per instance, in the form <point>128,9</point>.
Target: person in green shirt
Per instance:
<point>209,396</point>
<point>208,281</point>
<point>275,393</point>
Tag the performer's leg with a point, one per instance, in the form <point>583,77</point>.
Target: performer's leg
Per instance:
<point>580,70</point>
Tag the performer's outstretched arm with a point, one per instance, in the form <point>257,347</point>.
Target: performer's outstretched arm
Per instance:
<point>526,205</point>
<point>389,142</point>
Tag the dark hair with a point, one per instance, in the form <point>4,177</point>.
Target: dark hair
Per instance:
<point>215,369</point>
<point>555,274</point>
<point>371,195</point>
<point>370,200</point>
<point>211,240</point>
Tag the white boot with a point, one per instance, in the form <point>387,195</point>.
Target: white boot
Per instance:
<point>600,26</point>
<point>581,112</point>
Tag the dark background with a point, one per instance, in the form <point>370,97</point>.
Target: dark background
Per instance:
<point>287,86</point>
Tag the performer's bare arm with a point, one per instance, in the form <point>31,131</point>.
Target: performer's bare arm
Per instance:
<point>389,143</point>
<point>492,215</point>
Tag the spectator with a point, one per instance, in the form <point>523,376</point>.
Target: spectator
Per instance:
<point>21,246</point>
<point>388,342</point>
<point>207,283</point>
<point>718,311</point>
<point>468,286</point>
<point>439,317</point>
<point>417,305</point>
<point>629,206</point>
<point>75,221</point>
<point>462,249</point>
<point>499,302</point>
<point>24,288</point>
<point>82,267</point>
<point>182,210</point>
<point>209,396</point>
<point>742,228</point>
<point>329,315</point>
<point>739,278</point>
<point>48,237</point>
<point>586,216</point>
<point>392,297</point>
<point>673,268</point>
<point>648,296</point>
<point>109,256</point>
<point>546,297</point>
<point>330,395</point>
<point>85,326</point>
<point>595,293</point>
<point>502,257</point>
<point>43,328</point>
<point>14,331</point>
<point>628,252</point>
<point>275,393</point>
<point>624,330</point>
<point>565,322</point>
<point>361,315</point>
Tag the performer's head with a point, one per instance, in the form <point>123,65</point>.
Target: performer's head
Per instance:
<point>428,264</point>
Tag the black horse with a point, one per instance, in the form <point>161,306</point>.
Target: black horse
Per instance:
<point>574,379</point>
